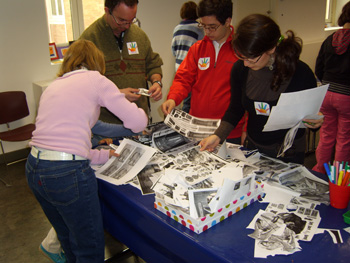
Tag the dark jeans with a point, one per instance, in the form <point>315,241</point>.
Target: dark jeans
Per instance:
<point>67,192</point>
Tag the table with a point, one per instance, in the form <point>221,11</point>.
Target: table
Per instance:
<point>132,219</point>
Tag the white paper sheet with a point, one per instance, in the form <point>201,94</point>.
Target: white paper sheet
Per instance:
<point>133,158</point>
<point>274,193</point>
<point>294,106</point>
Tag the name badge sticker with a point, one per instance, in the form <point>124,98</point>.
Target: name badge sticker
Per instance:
<point>204,63</point>
<point>262,108</point>
<point>132,48</point>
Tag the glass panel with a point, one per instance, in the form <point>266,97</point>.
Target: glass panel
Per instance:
<point>92,10</point>
<point>53,8</point>
<point>60,27</point>
<point>59,7</point>
<point>68,17</point>
<point>329,5</point>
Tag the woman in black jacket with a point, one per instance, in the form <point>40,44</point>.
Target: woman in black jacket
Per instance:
<point>269,65</point>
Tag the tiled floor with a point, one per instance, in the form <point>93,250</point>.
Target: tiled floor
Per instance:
<point>23,224</point>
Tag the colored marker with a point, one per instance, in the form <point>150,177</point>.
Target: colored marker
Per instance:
<point>336,171</point>
<point>328,172</point>
<point>333,174</point>
<point>340,178</point>
<point>346,178</point>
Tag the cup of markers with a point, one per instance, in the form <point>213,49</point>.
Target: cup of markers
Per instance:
<point>339,184</point>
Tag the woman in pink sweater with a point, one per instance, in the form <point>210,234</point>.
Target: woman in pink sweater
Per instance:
<point>58,168</point>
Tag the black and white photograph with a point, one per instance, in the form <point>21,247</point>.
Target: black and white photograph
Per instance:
<point>190,126</point>
<point>270,164</point>
<point>303,221</point>
<point>168,140</point>
<point>144,92</point>
<point>148,177</point>
<point>199,201</point>
<point>275,234</point>
<point>302,181</point>
<point>133,158</point>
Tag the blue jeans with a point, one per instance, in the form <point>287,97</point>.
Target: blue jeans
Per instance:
<point>102,130</point>
<point>67,192</point>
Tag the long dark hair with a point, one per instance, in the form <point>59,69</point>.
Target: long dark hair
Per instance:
<point>257,34</point>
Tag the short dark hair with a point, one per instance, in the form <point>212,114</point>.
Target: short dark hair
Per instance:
<point>345,15</point>
<point>221,9</point>
<point>111,4</point>
<point>189,11</point>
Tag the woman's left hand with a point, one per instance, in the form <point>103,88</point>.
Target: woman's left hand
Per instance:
<point>314,123</point>
<point>107,141</point>
<point>113,153</point>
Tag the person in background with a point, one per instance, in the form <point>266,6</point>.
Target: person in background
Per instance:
<point>205,71</point>
<point>184,36</point>
<point>186,33</point>
<point>269,65</point>
<point>333,68</point>
<point>58,168</point>
<point>130,60</point>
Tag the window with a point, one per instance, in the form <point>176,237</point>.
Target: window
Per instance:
<point>67,19</point>
<point>333,11</point>
<point>329,9</point>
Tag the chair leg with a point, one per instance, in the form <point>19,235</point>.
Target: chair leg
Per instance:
<point>6,164</point>
<point>5,183</point>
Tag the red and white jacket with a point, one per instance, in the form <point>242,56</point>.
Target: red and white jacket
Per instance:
<point>208,78</point>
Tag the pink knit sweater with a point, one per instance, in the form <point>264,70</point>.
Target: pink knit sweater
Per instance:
<point>70,107</point>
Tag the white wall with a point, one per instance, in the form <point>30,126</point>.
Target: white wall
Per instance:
<point>24,39</point>
<point>305,18</point>
<point>24,54</point>
<point>158,19</point>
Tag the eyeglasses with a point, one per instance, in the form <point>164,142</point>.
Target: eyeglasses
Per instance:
<point>124,22</point>
<point>210,28</point>
<point>249,60</point>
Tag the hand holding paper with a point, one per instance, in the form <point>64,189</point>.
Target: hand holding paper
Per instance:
<point>313,121</point>
<point>294,107</point>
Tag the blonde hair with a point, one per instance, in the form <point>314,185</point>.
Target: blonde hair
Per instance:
<point>82,53</point>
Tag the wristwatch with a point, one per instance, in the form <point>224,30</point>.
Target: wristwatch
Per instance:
<point>157,81</point>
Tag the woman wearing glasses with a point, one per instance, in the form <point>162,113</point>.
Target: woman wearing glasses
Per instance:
<point>269,65</point>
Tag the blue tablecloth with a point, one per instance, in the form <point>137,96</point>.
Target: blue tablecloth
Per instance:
<point>131,218</point>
